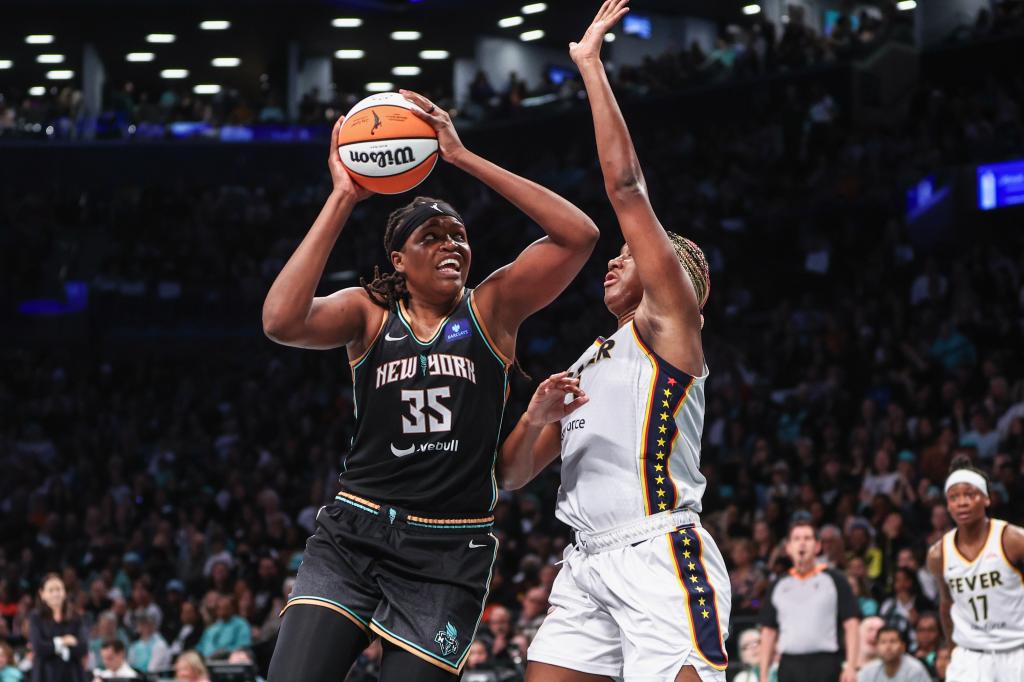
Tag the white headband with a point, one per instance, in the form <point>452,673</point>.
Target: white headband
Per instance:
<point>969,477</point>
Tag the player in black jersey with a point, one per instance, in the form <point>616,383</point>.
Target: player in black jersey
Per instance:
<point>404,552</point>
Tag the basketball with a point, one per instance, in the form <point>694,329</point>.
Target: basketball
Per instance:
<point>385,147</point>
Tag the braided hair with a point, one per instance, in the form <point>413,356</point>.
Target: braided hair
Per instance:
<point>696,265</point>
<point>388,289</point>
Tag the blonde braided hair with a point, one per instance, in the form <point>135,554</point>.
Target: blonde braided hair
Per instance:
<point>695,264</point>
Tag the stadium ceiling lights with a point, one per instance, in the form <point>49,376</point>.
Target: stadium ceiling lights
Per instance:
<point>536,34</point>
<point>6,63</point>
<point>60,75</point>
<point>160,38</point>
<point>609,37</point>
<point>509,22</point>
<point>405,35</point>
<point>174,73</point>
<point>215,25</point>
<point>905,5</point>
<point>380,86</point>
<point>406,71</point>
<point>750,10</point>
<point>434,54</point>
<point>349,54</point>
<point>347,22</point>
<point>140,57</point>
<point>50,58</point>
<point>534,8</point>
<point>37,91</point>
<point>225,62</point>
<point>39,39</point>
<point>206,89</point>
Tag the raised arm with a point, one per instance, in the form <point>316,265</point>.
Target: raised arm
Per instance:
<point>669,314</point>
<point>545,268</point>
<point>535,442</point>
<point>292,314</point>
<point>934,563</point>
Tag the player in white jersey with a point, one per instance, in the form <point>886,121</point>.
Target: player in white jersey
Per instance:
<point>978,566</point>
<point>643,593</point>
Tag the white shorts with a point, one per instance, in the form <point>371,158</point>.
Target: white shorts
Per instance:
<point>640,612</point>
<point>986,666</point>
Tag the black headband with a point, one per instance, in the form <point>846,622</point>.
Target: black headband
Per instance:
<point>419,215</point>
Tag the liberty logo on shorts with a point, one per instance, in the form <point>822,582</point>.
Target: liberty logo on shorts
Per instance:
<point>456,329</point>
<point>446,639</point>
<point>392,514</point>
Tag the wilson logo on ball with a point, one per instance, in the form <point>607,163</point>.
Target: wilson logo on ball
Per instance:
<point>388,157</point>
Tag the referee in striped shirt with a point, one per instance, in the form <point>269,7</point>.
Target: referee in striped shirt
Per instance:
<point>809,614</point>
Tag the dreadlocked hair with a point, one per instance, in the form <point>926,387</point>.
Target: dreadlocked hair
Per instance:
<point>388,289</point>
<point>696,265</point>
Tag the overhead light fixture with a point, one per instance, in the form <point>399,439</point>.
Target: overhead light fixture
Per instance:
<point>174,73</point>
<point>434,54</point>
<point>6,63</point>
<point>206,89</point>
<point>534,8</point>
<point>906,5</point>
<point>37,91</point>
<point>536,34</point>
<point>215,25</point>
<point>406,71</point>
<point>60,75</point>
<point>160,38</point>
<point>349,54</point>
<point>39,39</point>
<point>380,86</point>
<point>405,35</point>
<point>609,37</point>
<point>750,10</point>
<point>347,22</point>
<point>225,62</point>
<point>50,58</point>
<point>509,22</point>
<point>140,57</point>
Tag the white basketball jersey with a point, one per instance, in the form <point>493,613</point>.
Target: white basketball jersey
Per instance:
<point>988,594</point>
<point>634,449</point>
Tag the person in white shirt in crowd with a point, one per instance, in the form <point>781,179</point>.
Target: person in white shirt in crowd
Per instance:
<point>115,664</point>
<point>149,652</point>
<point>894,664</point>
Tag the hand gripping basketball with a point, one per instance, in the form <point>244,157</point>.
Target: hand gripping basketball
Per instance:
<point>343,183</point>
<point>438,119</point>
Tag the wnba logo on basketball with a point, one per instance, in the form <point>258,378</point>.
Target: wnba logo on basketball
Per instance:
<point>389,157</point>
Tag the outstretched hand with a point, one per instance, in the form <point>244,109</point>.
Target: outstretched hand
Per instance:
<point>589,46</point>
<point>548,401</point>
<point>438,119</point>
<point>342,181</point>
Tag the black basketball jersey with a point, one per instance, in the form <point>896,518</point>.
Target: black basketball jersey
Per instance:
<point>428,416</point>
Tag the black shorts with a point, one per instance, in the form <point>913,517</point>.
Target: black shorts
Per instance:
<point>418,582</point>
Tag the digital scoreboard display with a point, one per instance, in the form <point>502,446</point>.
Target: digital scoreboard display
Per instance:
<point>1000,185</point>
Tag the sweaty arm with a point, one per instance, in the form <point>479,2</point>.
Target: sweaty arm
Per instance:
<point>1013,547</point>
<point>546,267</point>
<point>292,313</point>
<point>670,308</point>
<point>945,600</point>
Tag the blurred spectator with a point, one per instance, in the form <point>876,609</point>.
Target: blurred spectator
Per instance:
<point>893,661</point>
<point>112,653</point>
<point>148,653</point>
<point>929,639</point>
<point>190,632</point>
<point>867,637</point>
<point>189,667</point>
<point>228,633</point>
<point>8,671</point>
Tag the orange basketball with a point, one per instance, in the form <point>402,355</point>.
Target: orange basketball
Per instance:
<point>385,148</point>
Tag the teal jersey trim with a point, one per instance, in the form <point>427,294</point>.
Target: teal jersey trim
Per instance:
<point>412,334</point>
<point>483,337</point>
<point>339,498</point>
